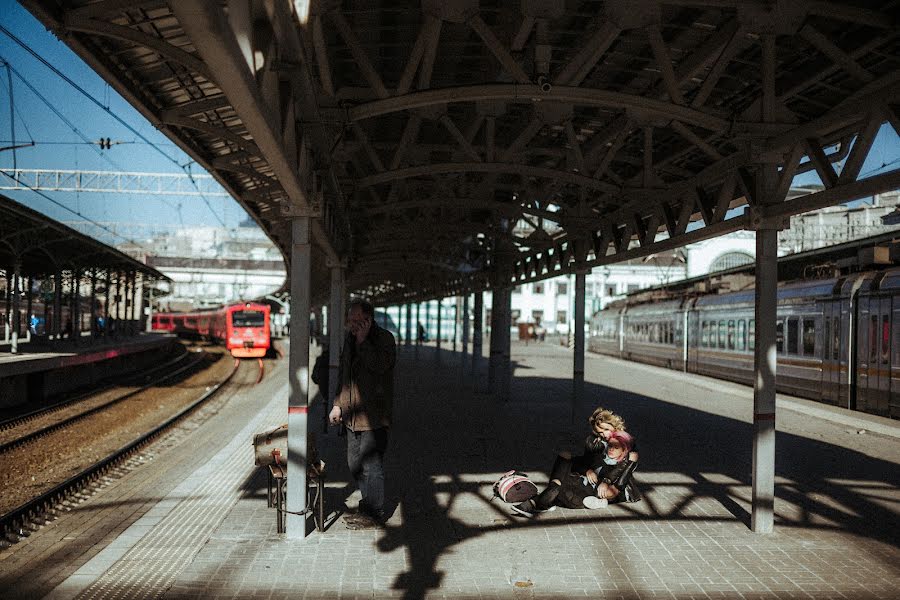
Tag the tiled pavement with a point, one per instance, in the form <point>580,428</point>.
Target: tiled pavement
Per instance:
<point>836,533</point>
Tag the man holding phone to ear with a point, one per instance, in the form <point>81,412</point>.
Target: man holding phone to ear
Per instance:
<point>364,404</point>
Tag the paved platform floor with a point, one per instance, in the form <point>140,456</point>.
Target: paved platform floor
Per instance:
<point>190,521</point>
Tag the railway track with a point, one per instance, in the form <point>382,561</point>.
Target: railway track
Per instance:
<point>29,516</point>
<point>22,419</point>
<point>193,359</point>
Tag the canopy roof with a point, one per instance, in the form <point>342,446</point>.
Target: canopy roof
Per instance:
<point>464,144</point>
<point>43,246</point>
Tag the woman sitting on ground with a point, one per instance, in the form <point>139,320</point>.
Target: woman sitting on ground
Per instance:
<point>576,491</point>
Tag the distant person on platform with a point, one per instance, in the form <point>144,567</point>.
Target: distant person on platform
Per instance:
<point>364,404</point>
<point>423,337</point>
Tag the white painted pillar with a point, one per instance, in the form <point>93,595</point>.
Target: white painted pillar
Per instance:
<point>578,354</point>
<point>298,374</point>
<point>763,502</point>
<point>336,312</point>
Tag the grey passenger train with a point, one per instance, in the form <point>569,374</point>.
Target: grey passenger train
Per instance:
<point>837,340</point>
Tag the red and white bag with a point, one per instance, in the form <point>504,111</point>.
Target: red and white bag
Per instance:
<point>514,487</point>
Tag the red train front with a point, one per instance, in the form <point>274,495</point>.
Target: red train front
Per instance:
<point>244,328</point>
<point>247,330</point>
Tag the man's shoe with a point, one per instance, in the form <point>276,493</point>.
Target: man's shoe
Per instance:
<point>526,509</point>
<point>595,502</point>
<point>363,522</point>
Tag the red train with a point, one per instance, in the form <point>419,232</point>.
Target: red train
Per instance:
<point>244,328</point>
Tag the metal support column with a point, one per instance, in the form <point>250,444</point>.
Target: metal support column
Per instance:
<point>93,326</point>
<point>29,306</point>
<point>477,332</point>
<point>336,312</point>
<point>298,375</point>
<point>465,328</point>
<point>57,305</point>
<point>14,322</point>
<point>455,321</point>
<point>75,310</point>
<point>495,343</point>
<point>135,306</point>
<point>408,324</point>
<point>578,366</point>
<point>106,304</point>
<point>117,326</point>
<point>418,322</point>
<point>440,306</point>
<point>506,338</point>
<point>763,503</point>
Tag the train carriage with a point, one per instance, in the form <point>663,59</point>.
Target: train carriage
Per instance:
<point>837,340</point>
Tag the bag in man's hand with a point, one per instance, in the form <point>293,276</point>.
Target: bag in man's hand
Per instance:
<point>514,487</point>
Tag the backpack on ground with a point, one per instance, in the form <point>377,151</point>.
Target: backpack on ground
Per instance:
<point>514,487</point>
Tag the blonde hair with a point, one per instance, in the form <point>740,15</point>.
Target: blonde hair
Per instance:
<point>607,416</point>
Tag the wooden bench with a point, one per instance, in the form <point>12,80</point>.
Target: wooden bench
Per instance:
<point>315,475</point>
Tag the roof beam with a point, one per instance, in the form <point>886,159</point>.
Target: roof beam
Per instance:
<point>494,168</point>
<point>530,94</point>
<point>498,50</point>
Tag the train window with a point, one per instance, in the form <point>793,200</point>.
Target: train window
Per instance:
<point>836,339</point>
<point>722,333</point>
<point>809,337</point>
<point>779,336</point>
<point>751,335</point>
<point>793,340</point>
<point>896,360</point>
<point>731,332</point>
<point>742,335</point>
<point>247,318</point>
<point>873,338</point>
<point>704,334</point>
<point>885,338</point>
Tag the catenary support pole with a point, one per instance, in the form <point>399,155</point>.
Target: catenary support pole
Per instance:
<point>298,374</point>
<point>57,305</point>
<point>578,353</point>
<point>106,304</point>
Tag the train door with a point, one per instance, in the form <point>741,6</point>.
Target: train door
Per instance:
<point>873,387</point>
<point>864,351</point>
<point>831,352</point>
<point>880,375</point>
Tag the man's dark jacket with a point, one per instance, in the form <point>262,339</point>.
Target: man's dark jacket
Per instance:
<point>366,380</point>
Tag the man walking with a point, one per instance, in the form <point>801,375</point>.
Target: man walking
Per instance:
<point>364,404</point>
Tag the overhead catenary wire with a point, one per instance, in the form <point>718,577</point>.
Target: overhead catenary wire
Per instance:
<point>74,212</point>
<point>107,110</point>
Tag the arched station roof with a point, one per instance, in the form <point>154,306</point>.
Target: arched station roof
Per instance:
<point>43,246</point>
<point>419,134</point>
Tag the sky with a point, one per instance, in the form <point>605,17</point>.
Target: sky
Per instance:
<point>59,146</point>
<point>60,128</point>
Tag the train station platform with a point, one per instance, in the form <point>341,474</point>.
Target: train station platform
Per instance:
<point>43,368</point>
<point>190,519</point>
